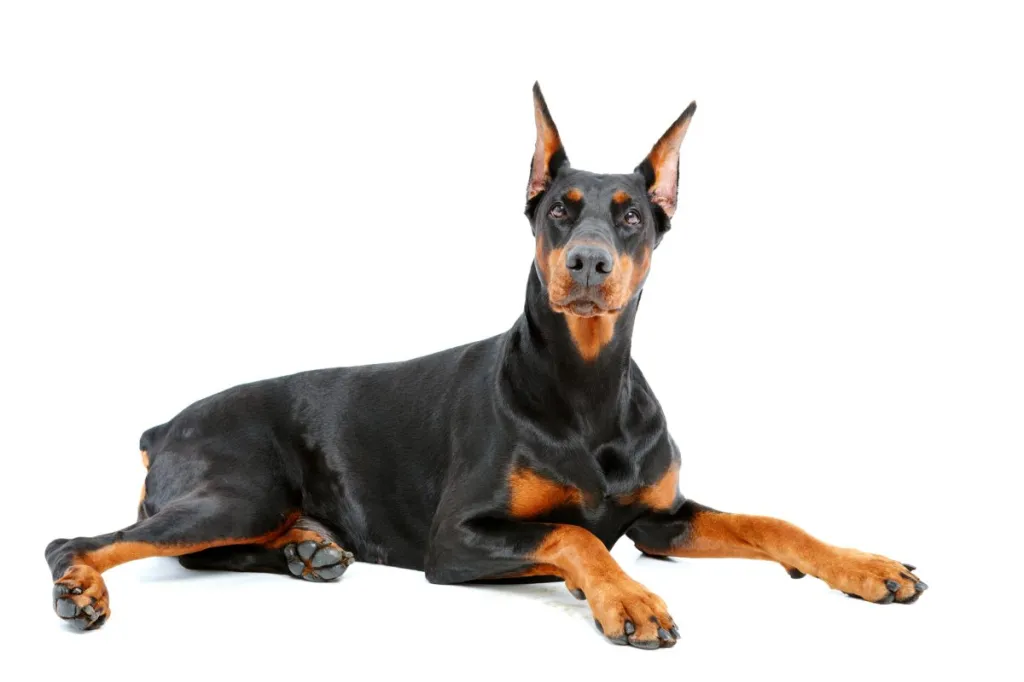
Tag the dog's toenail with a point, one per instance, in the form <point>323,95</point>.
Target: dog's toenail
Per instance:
<point>629,627</point>
<point>892,585</point>
<point>920,586</point>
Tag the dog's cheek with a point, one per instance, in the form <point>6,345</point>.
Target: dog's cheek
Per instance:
<point>541,260</point>
<point>616,289</point>
<point>559,279</point>
<point>640,270</point>
<point>630,276</point>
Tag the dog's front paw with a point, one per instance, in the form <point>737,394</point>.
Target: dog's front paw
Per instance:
<point>872,577</point>
<point>627,613</point>
<point>80,598</point>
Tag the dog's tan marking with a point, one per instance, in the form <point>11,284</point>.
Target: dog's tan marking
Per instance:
<point>296,535</point>
<point>621,197</point>
<point>145,458</point>
<point>626,279</point>
<point>531,495</point>
<point>591,334</point>
<point>660,495</point>
<point>574,194</point>
<point>559,279</point>
<point>640,272</point>
<point>543,261</point>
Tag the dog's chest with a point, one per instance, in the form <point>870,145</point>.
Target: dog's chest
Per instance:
<point>535,496</point>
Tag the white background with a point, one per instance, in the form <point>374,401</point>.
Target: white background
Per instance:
<point>202,194</point>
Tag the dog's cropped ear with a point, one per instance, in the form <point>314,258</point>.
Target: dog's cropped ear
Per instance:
<point>549,155</point>
<point>661,167</point>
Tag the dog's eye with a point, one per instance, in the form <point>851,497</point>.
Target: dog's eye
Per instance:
<point>632,217</point>
<point>557,211</point>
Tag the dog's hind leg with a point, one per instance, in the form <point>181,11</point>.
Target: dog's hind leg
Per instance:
<point>192,523</point>
<point>307,550</point>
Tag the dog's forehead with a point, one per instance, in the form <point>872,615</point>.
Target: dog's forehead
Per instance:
<point>600,185</point>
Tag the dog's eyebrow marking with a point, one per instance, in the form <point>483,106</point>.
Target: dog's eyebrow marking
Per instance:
<point>621,197</point>
<point>574,194</point>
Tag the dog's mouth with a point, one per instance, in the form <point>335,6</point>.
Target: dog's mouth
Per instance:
<point>583,306</point>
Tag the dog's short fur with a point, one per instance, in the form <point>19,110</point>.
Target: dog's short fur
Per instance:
<point>521,457</point>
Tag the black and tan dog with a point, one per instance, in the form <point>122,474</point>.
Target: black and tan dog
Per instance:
<point>520,457</point>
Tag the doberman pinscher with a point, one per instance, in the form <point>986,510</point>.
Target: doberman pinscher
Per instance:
<point>523,457</point>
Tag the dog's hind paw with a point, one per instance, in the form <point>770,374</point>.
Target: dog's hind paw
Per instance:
<point>317,561</point>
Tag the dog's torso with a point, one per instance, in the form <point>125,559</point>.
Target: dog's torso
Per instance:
<point>395,457</point>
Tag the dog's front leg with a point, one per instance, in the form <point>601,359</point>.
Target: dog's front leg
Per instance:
<point>624,610</point>
<point>697,531</point>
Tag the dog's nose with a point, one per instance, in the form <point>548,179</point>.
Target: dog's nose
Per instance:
<point>589,265</point>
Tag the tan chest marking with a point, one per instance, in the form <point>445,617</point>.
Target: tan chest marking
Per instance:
<point>532,495</point>
<point>658,496</point>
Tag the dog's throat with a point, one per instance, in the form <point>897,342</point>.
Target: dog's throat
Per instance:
<point>591,334</point>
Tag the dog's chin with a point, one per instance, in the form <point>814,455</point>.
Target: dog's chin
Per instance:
<point>583,307</point>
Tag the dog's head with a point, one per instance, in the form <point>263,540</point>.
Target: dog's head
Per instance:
<point>596,233</point>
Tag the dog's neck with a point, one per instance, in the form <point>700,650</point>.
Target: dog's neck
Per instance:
<point>582,363</point>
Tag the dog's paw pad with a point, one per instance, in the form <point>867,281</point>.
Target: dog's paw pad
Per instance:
<point>317,561</point>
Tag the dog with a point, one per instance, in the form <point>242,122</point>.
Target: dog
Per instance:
<point>523,457</point>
